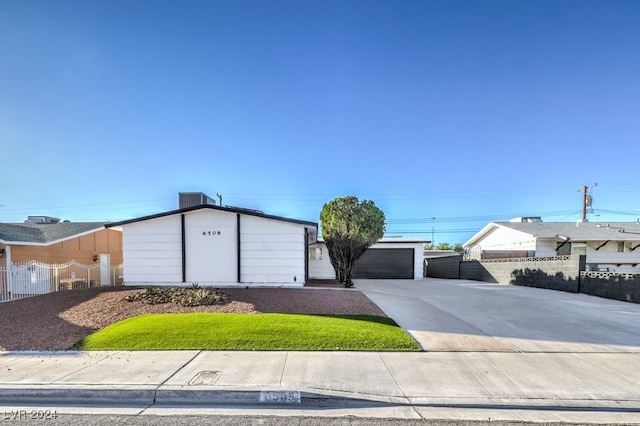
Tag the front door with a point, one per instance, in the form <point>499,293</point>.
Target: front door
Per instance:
<point>105,269</point>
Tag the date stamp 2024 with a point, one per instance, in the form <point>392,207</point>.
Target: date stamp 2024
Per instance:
<point>30,415</point>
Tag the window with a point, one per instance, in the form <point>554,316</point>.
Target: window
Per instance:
<point>579,248</point>
<point>621,247</point>
<point>315,253</point>
<point>563,249</point>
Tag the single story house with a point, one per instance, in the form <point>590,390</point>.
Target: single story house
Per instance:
<point>390,257</point>
<point>608,246</point>
<point>213,245</point>
<point>50,242</point>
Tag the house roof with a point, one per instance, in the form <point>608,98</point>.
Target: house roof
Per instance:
<point>239,210</point>
<point>44,233</point>
<point>383,240</point>
<point>575,231</point>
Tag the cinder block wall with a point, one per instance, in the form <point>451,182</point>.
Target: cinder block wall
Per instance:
<point>616,286</point>
<point>565,273</point>
<point>555,273</point>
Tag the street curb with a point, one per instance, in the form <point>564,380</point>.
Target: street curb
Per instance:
<point>83,395</point>
<point>270,397</point>
<point>151,395</point>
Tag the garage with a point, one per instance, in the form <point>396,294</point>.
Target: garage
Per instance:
<point>389,258</point>
<point>385,263</point>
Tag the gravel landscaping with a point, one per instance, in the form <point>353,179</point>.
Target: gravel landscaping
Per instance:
<point>58,320</point>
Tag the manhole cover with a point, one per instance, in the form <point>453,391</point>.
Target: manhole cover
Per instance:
<point>205,378</point>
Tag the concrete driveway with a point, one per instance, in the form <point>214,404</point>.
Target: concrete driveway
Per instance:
<point>473,316</point>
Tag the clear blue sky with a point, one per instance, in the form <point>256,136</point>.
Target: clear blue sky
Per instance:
<point>466,111</point>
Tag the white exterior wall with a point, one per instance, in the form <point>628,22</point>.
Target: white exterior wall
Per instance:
<point>211,247</point>
<point>152,251</point>
<point>323,270</point>
<point>272,251</point>
<point>508,239</point>
<point>504,239</point>
<point>606,256</point>
<point>546,248</point>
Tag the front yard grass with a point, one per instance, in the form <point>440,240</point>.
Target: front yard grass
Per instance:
<point>261,332</point>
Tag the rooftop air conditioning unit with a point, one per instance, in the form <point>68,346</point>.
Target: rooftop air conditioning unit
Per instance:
<point>194,199</point>
<point>42,219</point>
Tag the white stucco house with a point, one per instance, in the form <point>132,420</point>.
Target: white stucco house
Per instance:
<point>390,257</point>
<point>213,245</point>
<point>608,246</point>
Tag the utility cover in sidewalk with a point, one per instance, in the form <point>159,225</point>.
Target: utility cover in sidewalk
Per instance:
<point>205,378</point>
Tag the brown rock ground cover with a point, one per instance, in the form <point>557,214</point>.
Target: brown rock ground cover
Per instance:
<point>58,320</point>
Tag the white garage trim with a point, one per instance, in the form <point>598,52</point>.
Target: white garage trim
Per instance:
<point>320,265</point>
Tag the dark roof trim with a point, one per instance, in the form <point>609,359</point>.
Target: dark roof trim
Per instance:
<point>211,207</point>
<point>403,242</point>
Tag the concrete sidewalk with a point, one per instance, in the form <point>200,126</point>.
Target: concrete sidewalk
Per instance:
<point>550,387</point>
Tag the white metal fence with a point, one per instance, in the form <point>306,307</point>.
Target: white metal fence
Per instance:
<point>31,278</point>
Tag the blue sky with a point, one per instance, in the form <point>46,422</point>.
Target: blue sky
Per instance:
<point>466,111</point>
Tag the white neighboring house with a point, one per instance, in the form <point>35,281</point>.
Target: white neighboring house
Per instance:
<point>212,245</point>
<point>390,257</point>
<point>612,246</point>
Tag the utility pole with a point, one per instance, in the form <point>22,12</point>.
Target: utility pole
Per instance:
<point>433,227</point>
<point>586,200</point>
<point>220,198</point>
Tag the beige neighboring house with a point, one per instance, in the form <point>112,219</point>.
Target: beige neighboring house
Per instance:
<point>608,246</point>
<point>48,241</point>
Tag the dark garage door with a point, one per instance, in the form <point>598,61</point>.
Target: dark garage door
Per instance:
<point>385,263</point>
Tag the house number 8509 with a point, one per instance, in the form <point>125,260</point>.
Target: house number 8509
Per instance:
<point>210,233</point>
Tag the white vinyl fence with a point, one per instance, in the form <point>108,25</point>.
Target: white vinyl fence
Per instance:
<point>31,278</point>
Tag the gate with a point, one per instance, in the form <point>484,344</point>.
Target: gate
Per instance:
<point>32,278</point>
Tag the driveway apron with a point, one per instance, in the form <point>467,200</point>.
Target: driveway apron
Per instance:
<point>462,315</point>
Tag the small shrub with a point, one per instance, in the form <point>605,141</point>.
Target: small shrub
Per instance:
<point>180,296</point>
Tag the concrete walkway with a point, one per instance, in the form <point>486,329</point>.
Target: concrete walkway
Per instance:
<point>494,352</point>
<point>578,387</point>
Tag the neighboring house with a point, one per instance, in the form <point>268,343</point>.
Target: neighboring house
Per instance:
<point>390,257</point>
<point>43,255</point>
<point>48,240</point>
<point>213,245</point>
<point>608,246</point>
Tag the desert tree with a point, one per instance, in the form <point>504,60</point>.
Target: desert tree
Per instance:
<point>349,226</point>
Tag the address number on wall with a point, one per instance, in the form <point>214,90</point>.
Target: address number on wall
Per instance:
<point>210,233</point>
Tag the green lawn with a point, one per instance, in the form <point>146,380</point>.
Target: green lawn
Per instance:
<point>217,331</point>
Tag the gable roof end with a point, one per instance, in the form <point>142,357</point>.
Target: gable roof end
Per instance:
<point>211,207</point>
